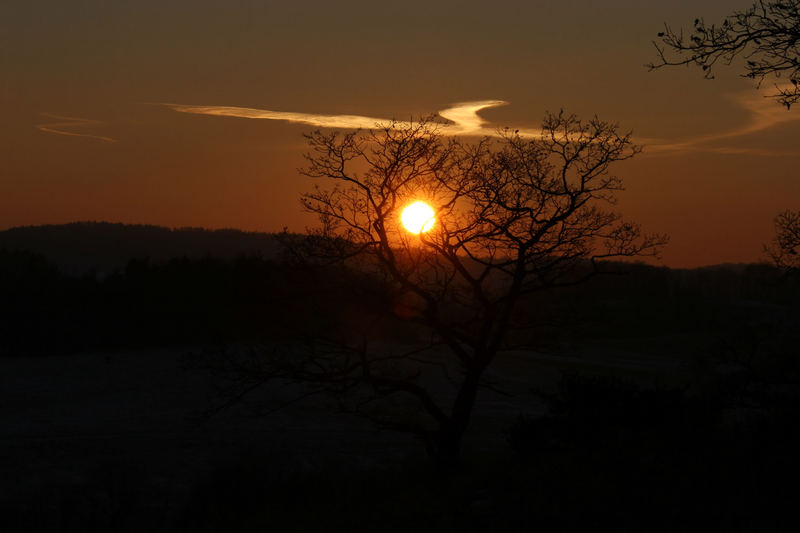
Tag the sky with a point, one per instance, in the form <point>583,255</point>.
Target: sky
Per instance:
<point>192,113</point>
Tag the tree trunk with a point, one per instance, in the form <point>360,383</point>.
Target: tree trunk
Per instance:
<point>444,446</point>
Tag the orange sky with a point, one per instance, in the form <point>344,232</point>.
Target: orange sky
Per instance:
<point>83,139</point>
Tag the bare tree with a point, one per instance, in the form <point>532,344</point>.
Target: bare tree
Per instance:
<point>767,35</point>
<point>785,247</point>
<point>513,217</point>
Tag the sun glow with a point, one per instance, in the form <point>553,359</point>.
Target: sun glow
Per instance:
<point>418,217</point>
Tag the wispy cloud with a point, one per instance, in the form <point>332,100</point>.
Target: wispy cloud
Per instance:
<point>761,114</point>
<point>65,124</point>
<point>463,117</point>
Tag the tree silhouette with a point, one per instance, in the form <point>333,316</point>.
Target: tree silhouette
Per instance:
<point>513,217</point>
<point>767,35</point>
<point>785,247</point>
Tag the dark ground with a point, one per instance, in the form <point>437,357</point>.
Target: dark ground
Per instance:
<point>662,399</point>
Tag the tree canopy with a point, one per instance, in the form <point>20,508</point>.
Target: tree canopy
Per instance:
<point>785,247</point>
<point>766,35</point>
<point>513,216</point>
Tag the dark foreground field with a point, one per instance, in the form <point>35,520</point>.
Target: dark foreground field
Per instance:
<point>658,399</point>
<point>121,442</point>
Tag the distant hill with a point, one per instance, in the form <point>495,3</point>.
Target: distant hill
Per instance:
<point>104,247</point>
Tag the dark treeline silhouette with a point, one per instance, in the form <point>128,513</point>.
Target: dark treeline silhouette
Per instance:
<point>641,300</point>
<point>245,299</point>
<point>200,302</point>
<point>103,247</point>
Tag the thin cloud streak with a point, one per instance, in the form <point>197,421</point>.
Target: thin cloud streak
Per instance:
<point>762,113</point>
<point>464,120</point>
<point>463,116</point>
<point>320,121</point>
<point>71,122</point>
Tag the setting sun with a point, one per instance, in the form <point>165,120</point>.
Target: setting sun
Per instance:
<point>418,217</point>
